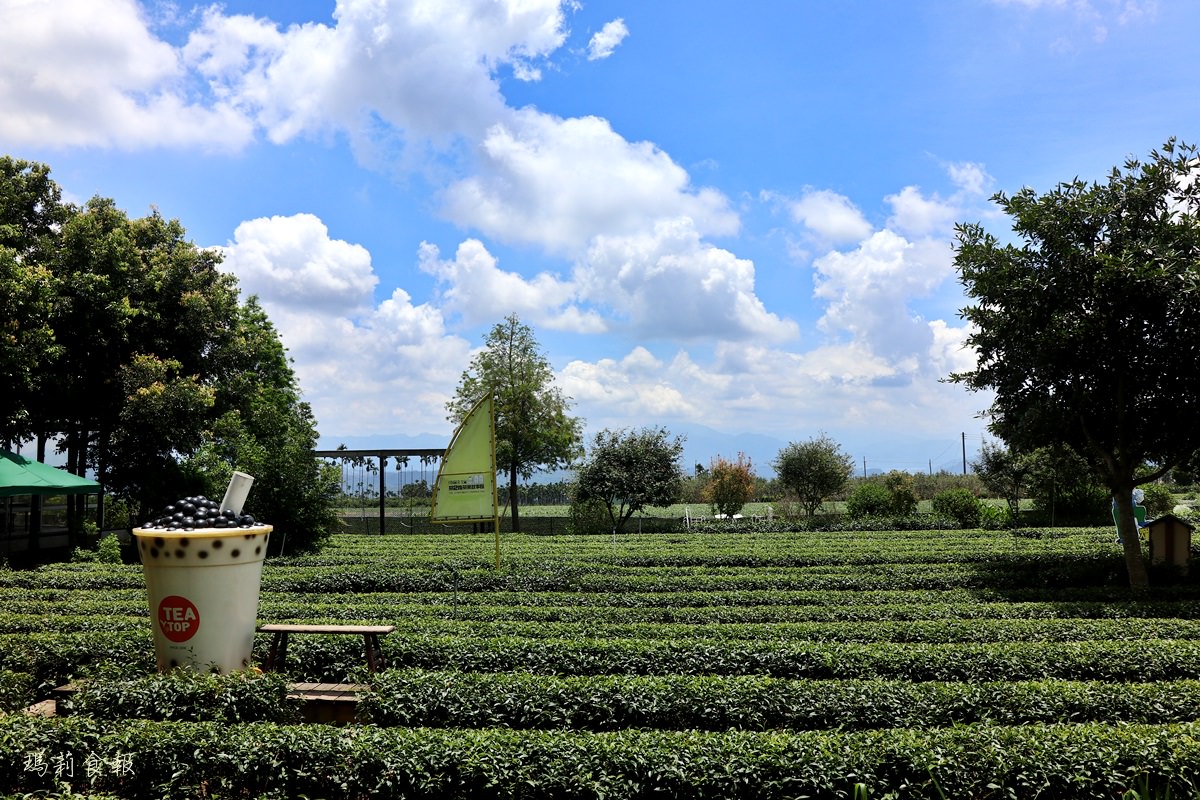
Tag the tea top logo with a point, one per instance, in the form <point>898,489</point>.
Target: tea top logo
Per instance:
<point>178,618</point>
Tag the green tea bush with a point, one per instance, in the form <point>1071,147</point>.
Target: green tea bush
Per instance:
<point>868,499</point>
<point>16,690</point>
<point>959,505</point>
<point>187,760</point>
<point>108,692</point>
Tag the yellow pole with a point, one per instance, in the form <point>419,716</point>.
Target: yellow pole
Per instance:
<point>496,523</point>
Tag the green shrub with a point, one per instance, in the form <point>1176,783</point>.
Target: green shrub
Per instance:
<point>174,759</point>
<point>995,517</point>
<point>868,499</point>
<point>108,549</point>
<point>903,497</point>
<point>1158,500</point>
<point>589,516</point>
<point>959,505</point>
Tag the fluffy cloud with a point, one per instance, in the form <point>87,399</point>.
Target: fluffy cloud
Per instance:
<point>833,388</point>
<point>292,262</point>
<point>866,290</point>
<point>874,293</point>
<point>426,72</point>
<point>369,367</point>
<point>480,292</point>
<point>669,283</point>
<point>830,217</point>
<point>84,73</point>
<point>639,386</point>
<point>93,72</point>
<point>607,39</point>
<point>559,182</point>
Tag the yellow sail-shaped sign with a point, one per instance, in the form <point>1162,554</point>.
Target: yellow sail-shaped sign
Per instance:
<point>465,489</point>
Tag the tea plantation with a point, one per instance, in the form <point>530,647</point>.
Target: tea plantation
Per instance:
<point>923,664</point>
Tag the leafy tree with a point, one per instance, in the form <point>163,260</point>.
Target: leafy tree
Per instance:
<point>629,471</point>
<point>1006,473</point>
<point>1064,487</point>
<point>533,429</point>
<point>1158,500</point>
<point>730,485</point>
<point>266,431</point>
<point>813,470</point>
<point>142,361</point>
<point>1088,333</point>
<point>903,495</point>
<point>31,211</point>
<point>417,490</point>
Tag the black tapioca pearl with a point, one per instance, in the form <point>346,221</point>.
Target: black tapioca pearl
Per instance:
<point>217,544</point>
<point>160,542</point>
<point>258,550</point>
<point>234,553</point>
<point>154,552</point>
<point>180,553</point>
<point>203,554</point>
<point>184,542</point>
<point>250,535</point>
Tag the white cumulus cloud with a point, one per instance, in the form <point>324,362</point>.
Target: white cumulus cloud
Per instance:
<point>478,290</point>
<point>369,367</point>
<point>292,262</point>
<point>669,283</point>
<point>558,182</point>
<point>88,73</point>
<point>607,39</point>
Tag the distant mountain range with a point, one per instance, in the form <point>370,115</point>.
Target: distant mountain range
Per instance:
<point>701,445</point>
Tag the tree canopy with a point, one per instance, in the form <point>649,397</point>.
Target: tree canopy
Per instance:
<point>813,470</point>
<point>629,471</point>
<point>1088,331</point>
<point>130,348</point>
<point>730,485</point>
<point>533,429</point>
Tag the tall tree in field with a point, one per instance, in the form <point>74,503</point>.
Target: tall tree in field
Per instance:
<point>730,485</point>
<point>629,471</point>
<point>533,429</point>
<point>813,470</point>
<point>1005,472</point>
<point>1088,332</point>
<point>31,212</point>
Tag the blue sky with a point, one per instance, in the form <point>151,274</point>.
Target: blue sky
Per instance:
<point>717,217</point>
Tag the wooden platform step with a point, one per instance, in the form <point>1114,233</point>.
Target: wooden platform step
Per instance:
<point>328,702</point>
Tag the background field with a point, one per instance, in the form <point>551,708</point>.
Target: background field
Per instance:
<point>904,664</point>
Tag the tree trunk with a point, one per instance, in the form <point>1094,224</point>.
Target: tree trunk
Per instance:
<point>1131,541</point>
<point>512,497</point>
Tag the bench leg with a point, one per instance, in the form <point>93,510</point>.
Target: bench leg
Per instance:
<point>375,660</point>
<point>277,655</point>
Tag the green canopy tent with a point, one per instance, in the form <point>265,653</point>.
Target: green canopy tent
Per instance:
<point>22,476</point>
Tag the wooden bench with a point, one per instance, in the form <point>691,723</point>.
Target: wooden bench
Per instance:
<point>277,655</point>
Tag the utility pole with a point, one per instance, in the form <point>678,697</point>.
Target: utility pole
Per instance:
<point>864,466</point>
<point>964,448</point>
